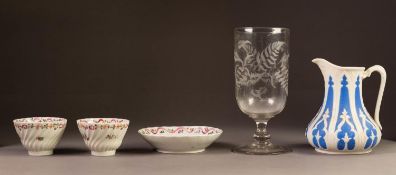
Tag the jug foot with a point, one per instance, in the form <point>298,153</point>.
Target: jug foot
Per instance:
<point>343,152</point>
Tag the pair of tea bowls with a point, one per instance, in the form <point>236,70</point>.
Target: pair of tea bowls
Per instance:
<point>40,135</point>
<point>103,136</point>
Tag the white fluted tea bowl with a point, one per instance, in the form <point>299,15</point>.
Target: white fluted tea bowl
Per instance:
<point>40,135</point>
<point>180,139</point>
<point>103,136</point>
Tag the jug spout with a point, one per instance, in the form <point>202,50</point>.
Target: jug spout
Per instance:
<point>326,67</point>
<point>324,64</point>
<point>320,61</point>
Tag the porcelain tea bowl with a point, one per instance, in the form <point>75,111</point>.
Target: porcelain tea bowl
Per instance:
<point>103,136</point>
<point>180,139</point>
<point>40,135</point>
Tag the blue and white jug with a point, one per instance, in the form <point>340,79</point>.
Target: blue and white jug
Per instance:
<point>343,125</point>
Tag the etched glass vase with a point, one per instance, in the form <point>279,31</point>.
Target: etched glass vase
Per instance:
<point>261,76</point>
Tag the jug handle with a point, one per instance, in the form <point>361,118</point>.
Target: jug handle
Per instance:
<point>381,71</point>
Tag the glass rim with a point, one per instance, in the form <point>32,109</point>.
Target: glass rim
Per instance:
<point>261,29</point>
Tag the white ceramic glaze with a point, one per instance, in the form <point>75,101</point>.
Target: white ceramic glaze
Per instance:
<point>40,135</point>
<point>103,136</point>
<point>343,124</point>
<point>180,139</point>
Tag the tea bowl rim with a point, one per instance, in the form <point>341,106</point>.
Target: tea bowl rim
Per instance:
<point>84,121</point>
<point>61,120</point>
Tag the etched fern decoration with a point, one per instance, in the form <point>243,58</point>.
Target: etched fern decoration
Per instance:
<point>269,66</point>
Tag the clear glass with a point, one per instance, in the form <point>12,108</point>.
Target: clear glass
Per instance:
<point>261,76</point>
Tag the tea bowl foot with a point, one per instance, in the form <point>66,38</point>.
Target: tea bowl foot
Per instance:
<point>103,153</point>
<point>181,152</point>
<point>41,153</point>
<point>344,152</point>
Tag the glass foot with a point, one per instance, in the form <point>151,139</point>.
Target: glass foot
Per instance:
<point>262,149</point>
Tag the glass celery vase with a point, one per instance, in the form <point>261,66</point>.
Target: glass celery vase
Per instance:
<point>261,57</point>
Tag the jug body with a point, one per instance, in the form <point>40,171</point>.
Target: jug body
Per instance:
<point>343,124</point>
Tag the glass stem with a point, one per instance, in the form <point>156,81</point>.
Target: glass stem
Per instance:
<point>261,135</point>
